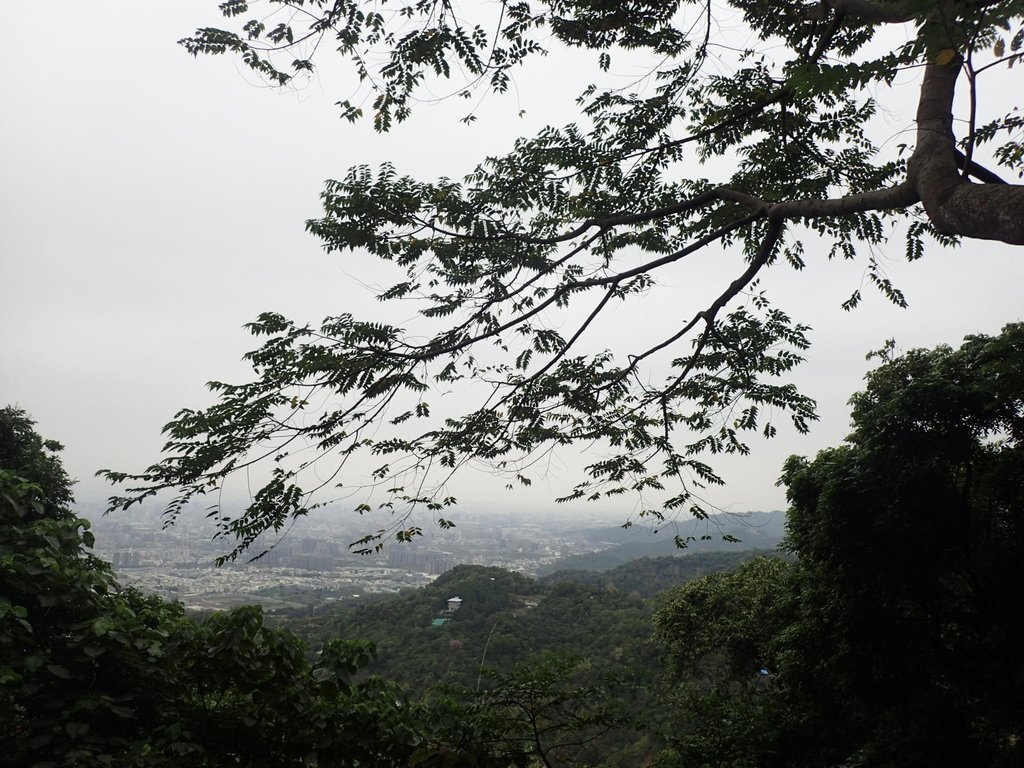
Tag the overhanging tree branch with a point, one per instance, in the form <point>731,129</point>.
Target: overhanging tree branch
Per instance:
<point>990,211</point>
<point>607,204</point>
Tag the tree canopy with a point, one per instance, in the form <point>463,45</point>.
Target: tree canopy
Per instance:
<point>893,640</point>
<point>25,453</point>
<point>764,149</point>
<point>911,539</point>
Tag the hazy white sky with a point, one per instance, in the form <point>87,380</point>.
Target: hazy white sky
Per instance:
<point>152,203</point>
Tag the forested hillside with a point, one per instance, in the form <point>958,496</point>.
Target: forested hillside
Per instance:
<point>94,674</point>
<point>881,640</point>
<point>594,628</point>
<point>506,618</point>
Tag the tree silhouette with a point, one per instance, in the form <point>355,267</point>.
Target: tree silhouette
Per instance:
<point>509,269</point>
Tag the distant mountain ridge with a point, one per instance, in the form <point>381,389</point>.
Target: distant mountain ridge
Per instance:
<point>754,530</point>
<point>650,576</point>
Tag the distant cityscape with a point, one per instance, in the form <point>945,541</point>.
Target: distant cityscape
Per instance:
<point>312,563</point>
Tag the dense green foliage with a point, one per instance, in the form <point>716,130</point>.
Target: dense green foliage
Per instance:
<point>95,675</point>
<point>752,134</point>
<point>889,640</point>
<point>911,539</point>
<point>561,711</point>
<point>571,640</point>
<point>27,455</point>
<point>722,637</point>
<point>504,620</point>
<point>894,640</point>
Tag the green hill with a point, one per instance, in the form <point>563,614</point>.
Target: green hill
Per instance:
<point>505,617</point>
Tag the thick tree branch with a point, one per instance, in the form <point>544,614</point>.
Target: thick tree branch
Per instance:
<point>956,206</point>
<point>867,11</point>
<point>973,168</point>
<point>900,196</point>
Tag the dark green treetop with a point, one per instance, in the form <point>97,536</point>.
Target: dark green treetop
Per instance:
<point>893,640</point>
<point>763,149</point>
<point>25,453</point>
<point>911,544</point>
